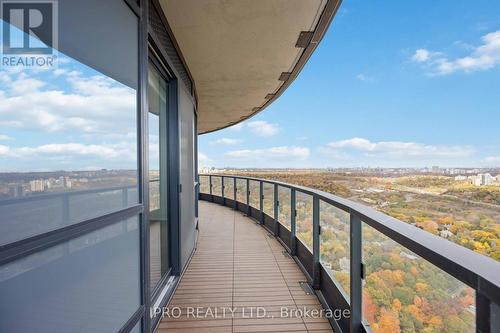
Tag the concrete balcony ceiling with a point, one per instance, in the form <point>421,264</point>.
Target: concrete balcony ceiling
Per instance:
<point>236,51</point>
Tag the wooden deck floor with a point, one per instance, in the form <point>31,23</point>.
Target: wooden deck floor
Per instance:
<point>237,266</point>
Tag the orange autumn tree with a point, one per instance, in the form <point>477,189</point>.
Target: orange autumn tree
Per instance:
<point>388,322</point>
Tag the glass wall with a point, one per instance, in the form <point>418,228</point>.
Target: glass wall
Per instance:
<point>158,180</point>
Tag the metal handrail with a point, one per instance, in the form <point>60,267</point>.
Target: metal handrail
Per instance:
<point>473,269</point>
<point>50,195</point>
<point>63,194</point>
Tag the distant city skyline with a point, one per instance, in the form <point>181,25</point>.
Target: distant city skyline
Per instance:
<point>401,85</point>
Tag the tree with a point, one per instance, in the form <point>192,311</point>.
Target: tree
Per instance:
<point>388,322</point>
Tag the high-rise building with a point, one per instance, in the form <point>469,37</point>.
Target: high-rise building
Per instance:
<point>37,185</point>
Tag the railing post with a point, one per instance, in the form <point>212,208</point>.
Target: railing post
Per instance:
<point>65,217</point>
<point>293,225</point>
<point>316,248</point>
<point>261,201</point>
<point>276,212</point>
<point>235,193</point>
<point>124,197</point>
<point>356,272</point>
<point>487,314</point>
<point>222,190</point>
<point>248,197</point>
<point>210,187</point>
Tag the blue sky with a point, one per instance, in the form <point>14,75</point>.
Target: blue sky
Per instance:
<point>392,84</point>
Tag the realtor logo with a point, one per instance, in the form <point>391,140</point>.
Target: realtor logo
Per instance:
<point>29,32</point>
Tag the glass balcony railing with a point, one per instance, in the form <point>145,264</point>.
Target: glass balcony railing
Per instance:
<point>390,276</point>
<point>29,216</point>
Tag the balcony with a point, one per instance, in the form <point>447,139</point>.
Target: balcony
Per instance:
<point>340,248</point>
<point>239,265</point>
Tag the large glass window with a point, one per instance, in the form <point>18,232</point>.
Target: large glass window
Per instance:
<point>68,154</point>
<point>90,283</point>
<point>68,132</point>
<point>158,185</point>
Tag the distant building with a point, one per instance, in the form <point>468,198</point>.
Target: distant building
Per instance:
<point>37,185</point>
<point>460,178</point>
<point>482,179</point>
<point>445,233</point>
<point>486,179</point>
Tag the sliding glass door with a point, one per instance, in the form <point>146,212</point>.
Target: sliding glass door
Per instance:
<point>158,177</point>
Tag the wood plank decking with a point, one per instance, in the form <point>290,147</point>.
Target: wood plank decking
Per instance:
<point>237,266</point>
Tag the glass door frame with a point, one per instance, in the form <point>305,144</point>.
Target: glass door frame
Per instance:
<point>172,173</point>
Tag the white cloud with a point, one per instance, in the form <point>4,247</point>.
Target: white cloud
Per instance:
<point>24,85</point>
<point>282,153</point>
<point>59,72</point>
<point>263,128</point>
<point>118,151</point>
<point>4,150</point>
<point>93,104</point>
<point>421,55</point>
<point>226,141</point>
<point>203,160</point>
<point>400,148</point>
<point>4,137</point>
<point>365,78</point>
<point>482,57</point>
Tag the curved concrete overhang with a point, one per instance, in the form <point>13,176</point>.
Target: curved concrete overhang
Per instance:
<point>243,54</point>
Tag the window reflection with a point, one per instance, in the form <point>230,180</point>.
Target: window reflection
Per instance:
<point>67,147</point>
<point>158,203</point>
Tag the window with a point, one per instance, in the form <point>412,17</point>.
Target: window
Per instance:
<point>158,184</point>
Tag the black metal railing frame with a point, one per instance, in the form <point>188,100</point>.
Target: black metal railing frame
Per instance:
<point>475,270</point>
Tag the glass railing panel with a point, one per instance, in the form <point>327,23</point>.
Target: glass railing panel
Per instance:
<point>284,208</point>
<point>241,190</point>
<point>229,188</point>
<point>268,201</point>
<point>304,219</point>
<point>334,243</point>
<point>404,293</point>
<point>204,185</point>
<point>254,194</point>
<point>217,186</point>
